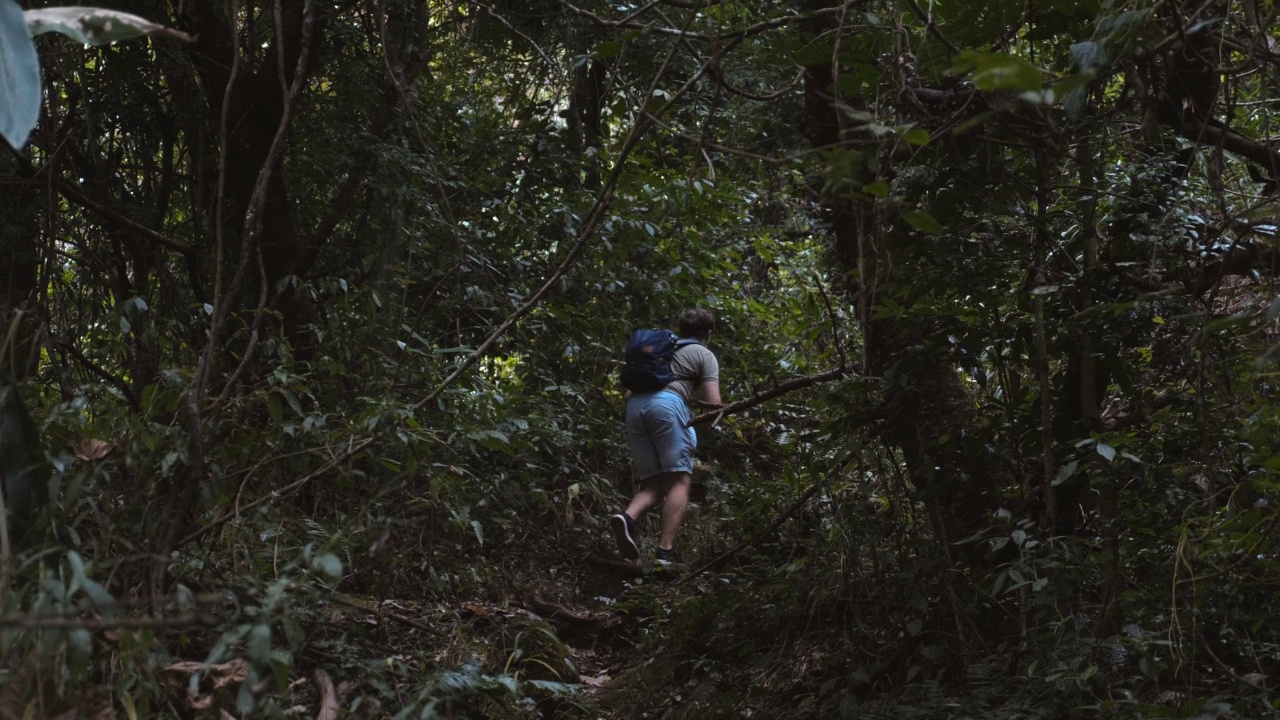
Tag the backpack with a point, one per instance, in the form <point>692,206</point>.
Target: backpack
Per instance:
<point>647,361</point>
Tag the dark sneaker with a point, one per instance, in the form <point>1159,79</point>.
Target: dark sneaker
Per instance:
<point>624,534</point>
<point>669,557</point>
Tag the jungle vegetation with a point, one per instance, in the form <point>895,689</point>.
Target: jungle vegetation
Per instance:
<point>312,314</point>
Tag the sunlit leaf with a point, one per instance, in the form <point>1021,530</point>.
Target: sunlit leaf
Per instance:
<point>607,49</point>
<point>923,222</point>
<point>878,189</point>
<point>19,77</point>
<point>1088,55</point>
<point>993,71</point>
<point>1066,472</point>
<point>329,565</point>
<point>916,136</point>
<point>96,26</point>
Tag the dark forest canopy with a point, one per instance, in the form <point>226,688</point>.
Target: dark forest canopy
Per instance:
<point>313,321</point>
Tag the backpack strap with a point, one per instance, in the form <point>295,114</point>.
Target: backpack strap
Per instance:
<point>685,342</point>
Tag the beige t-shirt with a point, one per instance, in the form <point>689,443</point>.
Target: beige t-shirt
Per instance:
<point>695,362</point>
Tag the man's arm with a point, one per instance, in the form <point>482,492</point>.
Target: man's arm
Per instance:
<point>711,393</point>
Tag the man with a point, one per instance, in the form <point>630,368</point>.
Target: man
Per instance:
<point>661,441</point>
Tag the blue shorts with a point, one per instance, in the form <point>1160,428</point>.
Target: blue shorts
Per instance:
<point>658,435</point>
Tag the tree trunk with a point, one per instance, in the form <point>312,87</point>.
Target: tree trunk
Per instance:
<point>926,407</point>
<point>20,209</point>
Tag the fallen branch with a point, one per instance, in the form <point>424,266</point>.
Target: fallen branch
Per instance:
<point>552,611</point>
<point>766,395</point>
<point>622,567</point>
<point>560,615</point>
<point>385,614</point>
<point>630,569</point>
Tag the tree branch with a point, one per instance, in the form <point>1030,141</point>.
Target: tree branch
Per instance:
<point>739,34</point>
<point>385,614</point>
<point>119,383</point>
<point>650,571</point>
<point>766,395</point>
<point>342,457</point>
<point>1241,260</point>
<point>1234,142</point>
<point>932,26</point>
<point>69,190</point>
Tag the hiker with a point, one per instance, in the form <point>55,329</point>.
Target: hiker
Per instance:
<point>658,432</point>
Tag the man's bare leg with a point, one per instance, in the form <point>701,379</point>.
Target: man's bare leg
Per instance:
<point>650,494</point>
<point>673,508</point>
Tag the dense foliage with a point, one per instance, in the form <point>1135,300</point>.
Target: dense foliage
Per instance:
<point>313,314</point>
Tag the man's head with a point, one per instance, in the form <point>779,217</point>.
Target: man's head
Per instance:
<point>696,323</point>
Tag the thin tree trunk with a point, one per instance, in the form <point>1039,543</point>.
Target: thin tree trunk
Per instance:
<point>1049,515</point>
<point>1108,500</point>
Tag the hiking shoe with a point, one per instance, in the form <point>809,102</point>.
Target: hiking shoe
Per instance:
<point>669,557</point>
<point>624,534</point>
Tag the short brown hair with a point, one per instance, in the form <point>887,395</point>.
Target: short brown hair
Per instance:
<point>696,323</point>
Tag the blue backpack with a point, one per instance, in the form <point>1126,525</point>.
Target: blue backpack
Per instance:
<point>647,361</point>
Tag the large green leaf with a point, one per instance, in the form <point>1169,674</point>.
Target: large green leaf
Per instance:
<point>19,76</point>
<point>923,221</point>
<point>992,71</point>
<point>95,26</point>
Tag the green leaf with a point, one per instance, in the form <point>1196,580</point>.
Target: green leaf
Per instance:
<point>923,222</point>
<point>19,77</point>
<point>95,26</point>
<point>1072,83</point>
<point>92,588</point>
<point>259,644</point>
<point>878,189</point>
<point>1107,452</point>
<point>916,136</point>
<point>1226,323</point>
<point>275,409</point>
<point>1088,55</point>
<point>607,49</point>
<point>1002,72</point>
<point>328,565</point>
<point>1065,473</point>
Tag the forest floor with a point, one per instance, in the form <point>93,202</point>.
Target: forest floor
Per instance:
<point>545,613</point>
